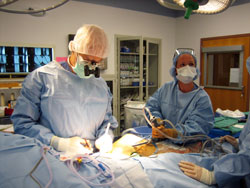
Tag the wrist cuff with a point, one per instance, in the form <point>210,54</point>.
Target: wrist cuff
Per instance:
<point>54,142</point>
<point>207,177</point>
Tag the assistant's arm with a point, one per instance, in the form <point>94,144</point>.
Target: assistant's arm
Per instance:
<point>234,166</point>
<point>154,104</point>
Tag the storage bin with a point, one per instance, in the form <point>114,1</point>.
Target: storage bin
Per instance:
<point>134,116</point>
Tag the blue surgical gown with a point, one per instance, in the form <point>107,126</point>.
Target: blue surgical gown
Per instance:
<point>54,101</point>
<point>236,165</point>
<point>190,112</point>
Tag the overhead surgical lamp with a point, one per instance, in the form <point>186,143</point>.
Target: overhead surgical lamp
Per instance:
<point>28,6</point>
<point>198,6</point>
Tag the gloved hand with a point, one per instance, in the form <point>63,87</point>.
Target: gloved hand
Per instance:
<point>167,131</point>
<point>196,172</point>
<point>233,141</point>
<point>74,145</point>
<point>157,122</point>
<point>104,143</point>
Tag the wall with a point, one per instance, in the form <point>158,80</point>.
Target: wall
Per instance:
<point>53,29</point>
<point>234,20</point>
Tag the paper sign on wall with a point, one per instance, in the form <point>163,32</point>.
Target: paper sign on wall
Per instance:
<point>234,75</point>
<point>61,59</point>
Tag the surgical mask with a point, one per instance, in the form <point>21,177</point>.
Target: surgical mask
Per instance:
<point>86,69</point>
<point>186,74</point>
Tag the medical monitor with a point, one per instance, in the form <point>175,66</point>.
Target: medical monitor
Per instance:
<point>18,61</point>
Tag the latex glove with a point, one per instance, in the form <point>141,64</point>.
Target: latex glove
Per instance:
<point>74,145</point>
<point>104,143</point>
<point>198,173</point>
<point>167,131</point>
<point>233,141</point>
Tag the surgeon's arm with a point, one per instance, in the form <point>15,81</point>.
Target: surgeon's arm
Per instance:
<point>109,118</point>
<point>27,110</point>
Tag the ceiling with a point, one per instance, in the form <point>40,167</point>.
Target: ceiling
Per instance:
<point>148,6</point>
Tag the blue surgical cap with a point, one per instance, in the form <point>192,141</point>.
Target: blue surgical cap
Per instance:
<point>172,70</point>
<point>248,64</point>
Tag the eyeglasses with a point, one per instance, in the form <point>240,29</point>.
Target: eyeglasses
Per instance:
<point>178,51</point>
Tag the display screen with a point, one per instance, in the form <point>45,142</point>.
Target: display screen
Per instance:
<point>16,59</point>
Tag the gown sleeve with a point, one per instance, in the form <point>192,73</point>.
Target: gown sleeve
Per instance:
<point>235,166</point>
<point>27,110</point>
<point>109,118</point>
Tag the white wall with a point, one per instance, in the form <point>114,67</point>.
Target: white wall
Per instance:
<point>53,29</point>
<point>235,20</point>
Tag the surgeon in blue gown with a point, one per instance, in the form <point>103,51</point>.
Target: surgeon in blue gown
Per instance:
<point>229,168</point>
<point>66,104</point>
<point>182,101</point>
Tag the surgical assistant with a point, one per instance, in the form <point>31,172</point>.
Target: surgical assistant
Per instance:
<point>181,101</point>
<point>62,105</point>
<point>231,167</point>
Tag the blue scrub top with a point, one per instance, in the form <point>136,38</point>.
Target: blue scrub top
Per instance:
<point>55,101</point>
<point>191,112</point>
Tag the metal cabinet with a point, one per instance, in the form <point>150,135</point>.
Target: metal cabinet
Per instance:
<point>138,65</point>
<point>112,84</point>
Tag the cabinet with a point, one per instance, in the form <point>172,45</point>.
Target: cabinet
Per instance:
<point>112,84</point>
<point>138,65</point>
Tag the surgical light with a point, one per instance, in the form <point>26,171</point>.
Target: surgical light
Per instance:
<point>32,7</point>
<point>198,6</point>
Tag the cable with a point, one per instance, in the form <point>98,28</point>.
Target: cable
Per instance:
<point>34,168</point>
<point>74,163</point>
<point>43,151</point>
<point>152,125</point>
<point>215,146</point>
<point>181,138</point>
<point>100,166</point>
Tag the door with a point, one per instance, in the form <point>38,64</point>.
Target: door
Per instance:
<point>151,66</point>
<point>223,71</point>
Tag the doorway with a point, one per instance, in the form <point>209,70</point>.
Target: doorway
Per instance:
<point>223,71</point>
